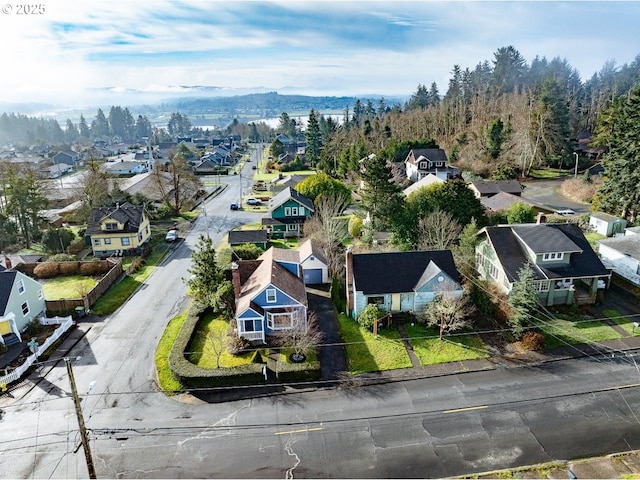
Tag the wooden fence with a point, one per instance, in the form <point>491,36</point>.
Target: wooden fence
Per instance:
<point>65,324</point>
<point>66,305</point>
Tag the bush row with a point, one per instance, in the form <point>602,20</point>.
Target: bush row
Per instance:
<point>55,269</point>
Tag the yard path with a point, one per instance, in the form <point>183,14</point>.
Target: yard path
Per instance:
<point>415,362</point>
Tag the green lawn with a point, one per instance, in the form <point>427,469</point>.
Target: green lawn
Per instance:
<point>285,243</point>
<point>367,354</point>
<point>267,177</point>
<point>452,348</point>
<point>548,173</point>
<point>120,293</point>
<point>622,321</point>
<point>73,286</point>
<point>165,378</point>
<point>560,332</point>
<point>201,351</point>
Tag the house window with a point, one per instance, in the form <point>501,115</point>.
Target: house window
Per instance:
<point>377,300</point>
<point>96,242</point>
<point>280,321</point>
<point>20,287</point>
<point>111,226</point>
<point>423,166</point>
<point>271,295</point>
<point>125,241</point>
<point>493,270</point>
<point>541,286</point>
<point>107,241</point>
<point>139,236</point>
<point>301,211</point>
<point>294,211</point>
<point>547,257</point>
<point>25,308</point>
<point>287,211</point>
<point>250,326</point>
<point>292,228</point>
<point>40,294</point>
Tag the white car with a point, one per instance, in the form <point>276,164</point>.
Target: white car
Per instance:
<point>565,213</point>
<point>172,236</point>
<point>253,201</point>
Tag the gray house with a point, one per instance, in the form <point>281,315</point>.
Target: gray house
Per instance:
<point>21,301</point>
<point>399,281</point>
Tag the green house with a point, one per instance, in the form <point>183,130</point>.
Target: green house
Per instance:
<point>288,211</point>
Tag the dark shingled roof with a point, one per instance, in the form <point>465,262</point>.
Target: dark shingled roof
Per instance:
<point>290,193</point>
<point>127,214</point>
<point>559,237</point>
<point>7,277</point>
<point>397,272</point>
<point>240,237</point>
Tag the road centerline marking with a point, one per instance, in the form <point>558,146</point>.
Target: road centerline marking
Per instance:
<point>467,409</point>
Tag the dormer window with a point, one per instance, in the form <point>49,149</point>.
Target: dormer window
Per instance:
<point>549,257</point>
<point>111,226</point>
<point>423,166</point>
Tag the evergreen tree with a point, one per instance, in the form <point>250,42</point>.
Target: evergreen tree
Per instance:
<point>207,284</point>
<point>381,196</point>
<point>523,300</point>
<point>70,133</point>
<point>83,128</point>
<point>314,141</point>
<point>619,194</point>
<point>143,127</point>
<point>100,125</point>
<point>25,202</point>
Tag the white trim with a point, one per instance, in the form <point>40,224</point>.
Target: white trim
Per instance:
<point>271,295</point>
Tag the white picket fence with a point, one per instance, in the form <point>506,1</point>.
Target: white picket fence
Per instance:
<point>65,324</point>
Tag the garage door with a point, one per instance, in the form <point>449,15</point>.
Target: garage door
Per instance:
<point>313,276</point>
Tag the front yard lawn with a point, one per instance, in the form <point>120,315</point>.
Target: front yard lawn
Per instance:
<point>622,321</point>
<point>201,351</point>
<point>562,331</point>
<point>367,354</point>
<point>72,286</point>
<point>452,348</point>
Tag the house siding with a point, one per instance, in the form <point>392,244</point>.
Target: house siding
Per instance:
<point>309,264</point>
<point>624,265</point>
<point>30,295</point>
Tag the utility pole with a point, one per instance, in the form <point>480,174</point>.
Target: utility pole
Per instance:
<point>83,430</point>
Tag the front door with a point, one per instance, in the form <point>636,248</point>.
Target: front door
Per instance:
<point>395,302</point>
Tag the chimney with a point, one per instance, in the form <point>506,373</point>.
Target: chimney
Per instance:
<point>541,218</point>
<point>349,280</point>
<point>235,278</point>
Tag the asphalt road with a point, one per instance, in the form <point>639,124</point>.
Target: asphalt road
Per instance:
<point>546,192</point>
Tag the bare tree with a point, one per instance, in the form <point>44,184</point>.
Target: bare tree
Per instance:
<point>437,231</point>
<point>449,311</point>
<point>181,186</point>
<point>329,229</point>
<point>218,340</point>
<point>302,338</point>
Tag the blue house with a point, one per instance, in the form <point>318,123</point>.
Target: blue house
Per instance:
<point>399,281</point>
<point>270,296</point>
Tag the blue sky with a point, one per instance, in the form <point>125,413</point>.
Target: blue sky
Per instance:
<point>143,50</point>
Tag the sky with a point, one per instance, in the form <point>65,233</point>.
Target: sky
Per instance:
<point>127,52</point>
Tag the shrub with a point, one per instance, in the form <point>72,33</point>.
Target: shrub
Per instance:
<point>369,315</point>
<point>46,270</point>
<point>532,340</point>
<point>91,268</point>
<point>33,328</point>
<point>69,268</point>
<point>237,345</point>
<point>61,257</point>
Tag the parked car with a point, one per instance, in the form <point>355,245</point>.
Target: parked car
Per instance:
<point>565,213</point>
<point>234,206</point>
<point>172,236</point>
<point>253,201</point>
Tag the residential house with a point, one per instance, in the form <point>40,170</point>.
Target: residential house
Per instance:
<point>607,225</point>
<point>125,167</point>
<point>503,201</point>
<point>284,181</point>
<point>425,181</point>
<point>622,255</point>
<point>56,171</point>
<point>286,158</point>
<point>119,230</point>
<point>21,301</point>
<point>489,188</point>
<point>565,267</point>
<point>288,211</point>
<point>399,281</point>
<point>68,157</point>
<point>270,298</point>
<point>423,161</point>
<point>238,238</point>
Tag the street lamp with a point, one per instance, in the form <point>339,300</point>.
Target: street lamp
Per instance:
<point>575,175</point>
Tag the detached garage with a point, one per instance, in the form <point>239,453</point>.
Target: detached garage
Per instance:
<point>313,263</point>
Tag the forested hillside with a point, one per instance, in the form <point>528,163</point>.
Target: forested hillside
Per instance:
<point>501,118</point>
